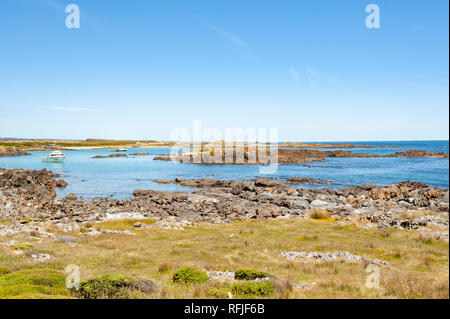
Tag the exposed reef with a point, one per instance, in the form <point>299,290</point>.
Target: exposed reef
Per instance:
<point>109,156</point>
<point>418,153</point>
<point>13,151</point>
<point>335,145</point>
<point>119,155</point>
<point>256,156</point>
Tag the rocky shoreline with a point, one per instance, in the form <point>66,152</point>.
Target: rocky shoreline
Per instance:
<point>29,196</point>
<point>248,156</point>
<point>13,151</point>
<point>335,145</point>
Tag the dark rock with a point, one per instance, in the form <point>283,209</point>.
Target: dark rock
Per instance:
<point>72,197</point>
<point>109,156</point>
<point>61,183</point>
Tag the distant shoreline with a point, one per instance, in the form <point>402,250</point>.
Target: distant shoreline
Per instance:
<point>106,147</point>
<point>21,147</point>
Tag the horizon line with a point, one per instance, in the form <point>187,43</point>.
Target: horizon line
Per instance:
<point>3,139</point>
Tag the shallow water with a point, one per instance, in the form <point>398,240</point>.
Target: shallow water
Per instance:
<point>118,177</point>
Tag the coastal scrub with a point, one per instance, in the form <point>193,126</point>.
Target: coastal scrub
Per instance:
<point>190,275</point>
<point>249,274</point>
<point>114,286</point>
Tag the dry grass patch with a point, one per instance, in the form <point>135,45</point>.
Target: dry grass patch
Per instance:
<point>154,254</point>
<point>122,224</point>
<point>415,214</point>
<point>165,267</point>
<point>402,285</point>
<point>316,213</point>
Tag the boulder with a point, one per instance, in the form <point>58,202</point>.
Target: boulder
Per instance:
<point>267,211</point>
<point>317,203</point>
<point>72,197</point>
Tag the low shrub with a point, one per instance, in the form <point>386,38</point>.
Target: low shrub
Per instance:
<point>114,286</point>
<point>21,247</point>
<point>220,293</point>
<point>190,275</point>
<point>252,288</point>
<point>249,274</point>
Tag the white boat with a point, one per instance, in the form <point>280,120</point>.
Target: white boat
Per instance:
<point>121,150</point>
<point>54,157</point>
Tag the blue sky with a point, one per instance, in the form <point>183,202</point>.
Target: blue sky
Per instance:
<point>138,69</point>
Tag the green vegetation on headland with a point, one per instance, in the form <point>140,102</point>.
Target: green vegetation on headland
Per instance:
<point>50,144</point>
<point>42,144</point>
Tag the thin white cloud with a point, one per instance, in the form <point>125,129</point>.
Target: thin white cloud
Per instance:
<point>237,41</point>
<point>294,73</point>
<point>70,109</point>
<point>312,72</point>
<point>418,28</point>
<point>312,75</point>
<point>230,37</point>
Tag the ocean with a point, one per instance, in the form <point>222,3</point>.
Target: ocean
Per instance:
<point>118,177</point>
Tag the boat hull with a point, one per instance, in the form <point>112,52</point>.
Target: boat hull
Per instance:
<point>53,160</point>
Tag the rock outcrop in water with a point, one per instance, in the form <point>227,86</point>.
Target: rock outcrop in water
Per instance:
<point>13,151</point>
<point>282,156</point>
<point>305,180</point>
<point>140,154</point>
<point>242,157</point>
<point>109,156</point>
<point>410,205</point>
<point>335,145</point>
<point>418,153</point>
<point>119,155</point>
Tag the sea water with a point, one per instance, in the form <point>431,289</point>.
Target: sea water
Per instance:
<point>118,177</point>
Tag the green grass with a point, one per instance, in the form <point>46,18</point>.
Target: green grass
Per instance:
<point>123,223</point>
<point>42,281</point>
<point>4,271</point>
<point>20,247</point>
<point>27,144</point>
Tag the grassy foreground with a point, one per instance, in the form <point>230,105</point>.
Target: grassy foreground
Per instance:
<point>418,268</point>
